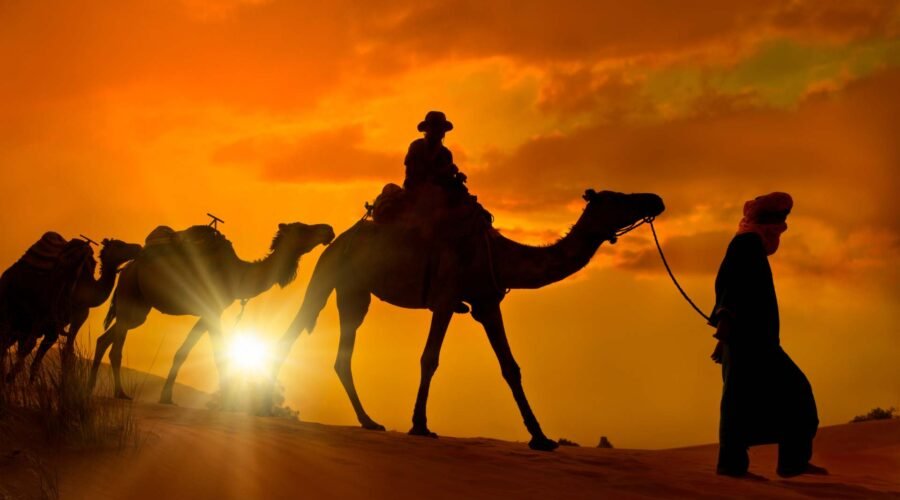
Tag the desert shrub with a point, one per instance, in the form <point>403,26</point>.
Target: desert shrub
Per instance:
<point>875,414</point>
<point>60,403</point>
<point>604,443</point>
<point>566,442</point>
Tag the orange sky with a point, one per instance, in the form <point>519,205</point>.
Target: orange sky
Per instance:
<point>116,117</point>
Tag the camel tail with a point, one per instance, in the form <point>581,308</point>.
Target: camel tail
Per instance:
<point>111,314</point>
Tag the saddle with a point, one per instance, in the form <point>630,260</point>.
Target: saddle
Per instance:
<point>53,252</point>
<point>45,252</point>
<point>58,264</point>
<point>429,206</point>
<point>199,240</point>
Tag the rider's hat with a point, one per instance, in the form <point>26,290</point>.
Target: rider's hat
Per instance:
<point>435,119</point>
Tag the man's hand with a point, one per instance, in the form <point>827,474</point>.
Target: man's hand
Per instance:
<point>723,329</point>
<point>717,352</point>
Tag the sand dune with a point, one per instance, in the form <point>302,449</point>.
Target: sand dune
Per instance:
<point>204,454</point>
<point>197,453</point>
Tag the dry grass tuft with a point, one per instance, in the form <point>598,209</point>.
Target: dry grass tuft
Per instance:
<point>60,404</point>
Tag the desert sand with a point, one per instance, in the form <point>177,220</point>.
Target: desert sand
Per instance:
<point>196,453</point>
<point>191,452</point>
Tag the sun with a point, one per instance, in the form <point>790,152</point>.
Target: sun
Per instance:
<point>248,355</point>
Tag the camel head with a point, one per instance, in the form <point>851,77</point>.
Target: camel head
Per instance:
<point>296,239</point>
<point>117,252</point>
<point>608,211</point>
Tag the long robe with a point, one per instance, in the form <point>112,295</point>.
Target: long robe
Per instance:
<point>766,398</point>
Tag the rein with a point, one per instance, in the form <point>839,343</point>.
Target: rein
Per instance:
<point>668,269</point>
<point>649,220</point>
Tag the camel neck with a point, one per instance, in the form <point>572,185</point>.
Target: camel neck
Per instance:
<point>254,278</point>
<point>525,266</point>
<point>100,289</point>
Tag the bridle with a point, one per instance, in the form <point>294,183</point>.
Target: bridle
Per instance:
<point>614,237</point>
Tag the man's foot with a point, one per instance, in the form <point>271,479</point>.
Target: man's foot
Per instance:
<point>813,470</point>
<point>724,471</point>
<point>461,308</point>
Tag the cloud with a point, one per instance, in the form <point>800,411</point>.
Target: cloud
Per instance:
<point>838,146</point>
<point>542,32</point>
<point>331,156</point>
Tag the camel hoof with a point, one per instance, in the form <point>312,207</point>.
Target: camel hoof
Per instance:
<point>166,400</point>
<point>122,395</point>
<point>543,444</point>
<point>372,426</point>
<point>422,431</point>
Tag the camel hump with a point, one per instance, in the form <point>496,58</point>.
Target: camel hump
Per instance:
<point>45,252</point>
<point>161,234</point>
<point>199,239</point>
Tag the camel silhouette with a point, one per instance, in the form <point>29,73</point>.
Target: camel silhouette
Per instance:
<point>196,272</point>
<point>89,293</point>
<point>50,288</point>
<point>389,261</point>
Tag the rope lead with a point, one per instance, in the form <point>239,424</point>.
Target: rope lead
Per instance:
<point>669,270</point>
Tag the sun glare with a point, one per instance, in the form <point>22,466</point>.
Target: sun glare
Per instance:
<point>248,354</point>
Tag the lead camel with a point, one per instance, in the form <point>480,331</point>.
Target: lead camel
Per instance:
<point>388,261</point>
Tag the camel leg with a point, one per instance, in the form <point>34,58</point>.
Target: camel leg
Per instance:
<point>214,326</point>
<point>440,320</point>
<point>103,342</point>
<point>492,320</point>
<point>115,361</point>
<point>46,343</point>
<point>23,349</point>
<point>79,316</point>
<point>5,345</point>
<point>194,335</point>
<point>352,308</point>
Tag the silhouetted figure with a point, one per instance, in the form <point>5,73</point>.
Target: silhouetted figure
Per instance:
<point>196,272</point>
<point>385,261</point>
<point>89,292</point>
<point>766,399</point>
<point>37,294</point>
<point>428,161</point>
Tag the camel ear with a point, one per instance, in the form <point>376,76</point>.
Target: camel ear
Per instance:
<point>281,226</point>
<point>589,195</point>
<point>105,241</point>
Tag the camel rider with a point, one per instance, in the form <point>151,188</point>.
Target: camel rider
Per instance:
<point>434,184</point>
<point>428,161</point>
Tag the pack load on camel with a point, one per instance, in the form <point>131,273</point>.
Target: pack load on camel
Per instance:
<point>434,192</point>
<point>198,240</point>
<point>52,251</point>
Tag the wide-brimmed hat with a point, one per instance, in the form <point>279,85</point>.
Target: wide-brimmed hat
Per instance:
<point>435,119</point>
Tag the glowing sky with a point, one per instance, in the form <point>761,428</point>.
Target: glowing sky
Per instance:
<point>116,117</point>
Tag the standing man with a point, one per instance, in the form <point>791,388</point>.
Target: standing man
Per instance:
<point>766,399</point>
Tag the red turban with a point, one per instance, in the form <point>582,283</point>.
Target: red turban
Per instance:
<point>766,215</point>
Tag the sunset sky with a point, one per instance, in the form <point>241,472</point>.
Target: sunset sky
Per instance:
<point>116,117</point>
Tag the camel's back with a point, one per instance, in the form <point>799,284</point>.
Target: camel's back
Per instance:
<point>198,241</point>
